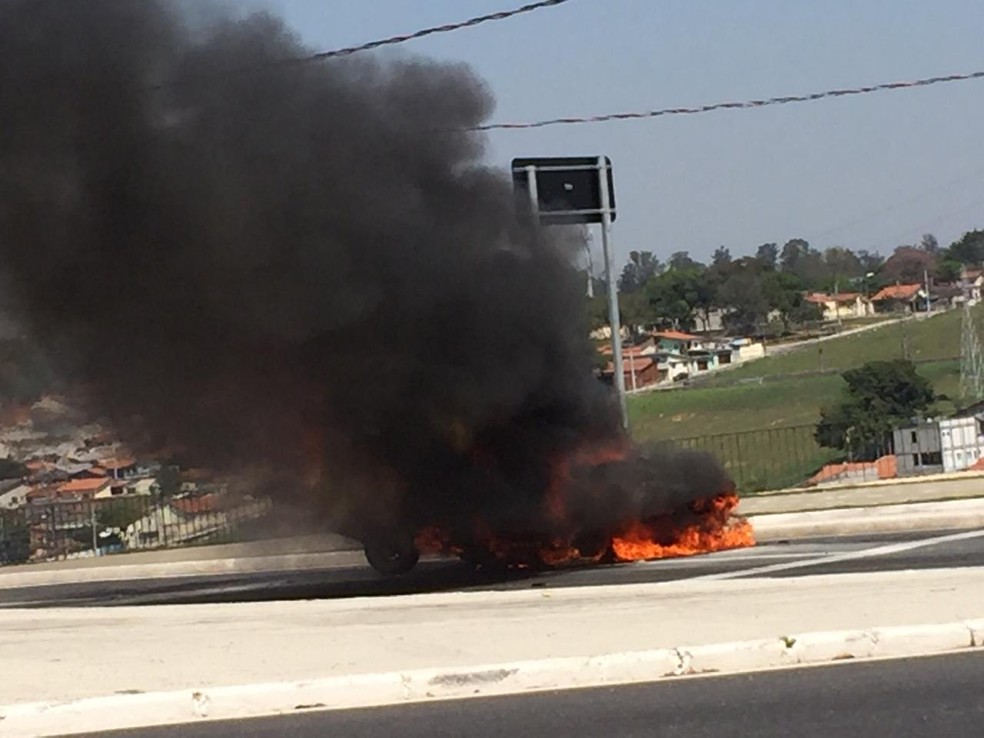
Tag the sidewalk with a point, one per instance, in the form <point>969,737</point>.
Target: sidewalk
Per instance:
<point>63,655</point>
<point>930,488</point>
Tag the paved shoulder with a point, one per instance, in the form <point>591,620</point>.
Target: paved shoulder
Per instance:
<point>903,698</point>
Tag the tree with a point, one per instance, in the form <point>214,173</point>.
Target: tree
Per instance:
<point>843,266</point>
<point>969,249</point>
<point>799,258</point>
<point>707,288</point>
<point>907,265</point>
<point>879,396</point>
<point>784,294</point>
<point>767,254</point>
<point>673,297</point>
<point>929,244</point>
<point>742,295</point>
<point>947,270</point>
<point>681,261</point>
<point>634,311</point>
<point>870,262</point>
<point>641,268</point>
<point>597,311</point>
<point>722,256</point>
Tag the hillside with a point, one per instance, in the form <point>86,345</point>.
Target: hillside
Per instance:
<point>789,389</point>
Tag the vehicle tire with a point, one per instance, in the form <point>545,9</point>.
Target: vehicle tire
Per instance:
<point>391,557</point>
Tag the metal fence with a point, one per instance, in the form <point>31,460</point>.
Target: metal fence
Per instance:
<point>51,529</point>
<point>765,459</point>
<point>777,458</point>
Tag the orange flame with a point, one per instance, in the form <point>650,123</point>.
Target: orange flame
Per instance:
<point>707,525</point>
<point>714,530</point>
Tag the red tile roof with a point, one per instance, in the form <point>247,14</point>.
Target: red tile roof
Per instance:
<point>638,365</point>
<point>626,350</point>
<point>676,336</point>
<point>897,292</point>
<point>885,467</point>
<point>83,485</point>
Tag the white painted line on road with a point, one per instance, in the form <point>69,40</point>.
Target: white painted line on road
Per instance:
<point>705,559</point>
<point>886,550</point>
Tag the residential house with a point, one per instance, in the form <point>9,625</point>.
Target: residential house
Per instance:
<point>128,488</point>
<point>946,296</point>
<point>124,467</point>
<point>83,489</point>
<point>639,371</point>
<point>972,282</point>
<point>841,306</point>
<point>14,496</point>
<point>898,297</point>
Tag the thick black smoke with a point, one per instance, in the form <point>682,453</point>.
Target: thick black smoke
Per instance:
<point>260,265</point>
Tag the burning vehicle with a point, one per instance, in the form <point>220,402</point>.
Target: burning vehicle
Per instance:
<point>303,274</point>
<point>597,508</point>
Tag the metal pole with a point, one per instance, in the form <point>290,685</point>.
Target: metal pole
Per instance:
<point>590,271</point>
<point>92,523</point>
<point>534,197</point>
<point>613,317</point>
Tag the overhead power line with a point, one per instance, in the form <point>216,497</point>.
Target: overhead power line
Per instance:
<point>787,99</point>
<point>447,27</point>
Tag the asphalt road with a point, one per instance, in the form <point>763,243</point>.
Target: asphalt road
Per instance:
<point>349,579</point>
<point>904,698</point>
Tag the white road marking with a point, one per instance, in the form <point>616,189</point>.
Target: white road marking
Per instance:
<point>886,550</point>
<point>702,560</point>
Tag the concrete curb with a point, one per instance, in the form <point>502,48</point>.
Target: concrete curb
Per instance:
<point>122,711</point>
<point>908,518</point>
<point>173,569</point>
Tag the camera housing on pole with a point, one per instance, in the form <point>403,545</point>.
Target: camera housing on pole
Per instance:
<point>570,190</point>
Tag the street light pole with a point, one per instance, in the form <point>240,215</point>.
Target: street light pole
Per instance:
<point>613,316</point>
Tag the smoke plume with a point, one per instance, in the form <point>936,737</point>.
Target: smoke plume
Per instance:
<point>287,269</point>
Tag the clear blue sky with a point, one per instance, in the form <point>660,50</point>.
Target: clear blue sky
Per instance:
<point>865,172</point>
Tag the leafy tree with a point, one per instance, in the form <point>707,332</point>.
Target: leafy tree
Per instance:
<point>673,297</point>
<point>722,255</point>
<point>168,479</point>
<point>641,268</point>
<point>768,255</point>
<point>597,311</point>
<point>122,512</point>
<point>707,288</point>
<point>968,249</point>
<point>681,261</point>
<point>929,244</point>
<point>843,266</point>
<point>870,262</point>
<point>741,294</point>
<point>634,311</point>
<point>908,265</point>
<point>799,258</point>
<point>880,396</point>
<point>784,294</point>
<point>947,270</point>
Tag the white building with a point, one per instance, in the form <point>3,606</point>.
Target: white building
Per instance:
<point>939,446</point>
